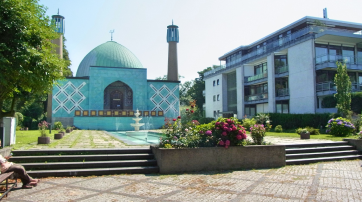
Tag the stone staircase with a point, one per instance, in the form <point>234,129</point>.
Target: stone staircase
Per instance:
<point>85,162</point>
<point>318,152</point>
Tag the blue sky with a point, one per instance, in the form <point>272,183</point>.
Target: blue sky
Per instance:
<point>208,28</point>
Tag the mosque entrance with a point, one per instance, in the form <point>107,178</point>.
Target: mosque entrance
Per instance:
<point>118,95</point>
<point>116,99</point>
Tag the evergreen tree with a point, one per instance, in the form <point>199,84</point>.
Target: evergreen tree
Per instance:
<point>344,88</point>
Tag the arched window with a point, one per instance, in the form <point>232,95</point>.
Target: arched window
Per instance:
<point>118,95</point>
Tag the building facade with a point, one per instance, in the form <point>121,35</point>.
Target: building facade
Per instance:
<point>288,71</point>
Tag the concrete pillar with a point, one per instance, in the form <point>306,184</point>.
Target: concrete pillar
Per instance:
<point>224,91</point>
<point>271,84</point>
<point>240,91</point>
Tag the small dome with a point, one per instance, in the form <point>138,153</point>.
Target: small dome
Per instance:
<point>109,54</point>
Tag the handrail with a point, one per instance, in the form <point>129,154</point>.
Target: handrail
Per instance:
<point>256,97</point>
<point>282,92</point>
<point>256,77</point>
<point>280,70</point>
<point>336,58</point>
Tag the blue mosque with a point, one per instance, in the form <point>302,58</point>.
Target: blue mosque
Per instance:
<point>110,85</point>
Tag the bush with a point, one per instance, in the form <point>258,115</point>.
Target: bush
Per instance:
<point>18,128</point>
<point>340,127</point>
<point>356,99</point>
<point>257,133</point>
<point>312,131</point>
<point>292,121</point>
<point>278,129</point>
<point>247,123</point>
<point>205,120</point>
<point>58,125</point>
<point>357,122</point>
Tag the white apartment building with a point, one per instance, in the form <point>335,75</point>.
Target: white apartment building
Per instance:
<point>288,71</point>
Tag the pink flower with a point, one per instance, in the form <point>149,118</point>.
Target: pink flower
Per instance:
<point>243,136</point>
<point>186,129</point>
<point>228,120</point>
<point>208,132</point>
<point>173,119</point>
<point>227,142</point>
<point>226,124</point>
<point>201,132</point>
<point>224,133</point>
<point>217,123</point>
<point>238,137</point>
<point>241,132</point>
<point>217,128</point>
<point>234,128</point>
<point>221,143</point>
<point>225,128</point>
<point>230,129</point>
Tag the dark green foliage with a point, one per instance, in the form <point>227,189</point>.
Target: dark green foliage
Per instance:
<point>278,129</point>
<point>356,102</point>
<point>357,122</point>
<point>205,120</point>
<point>329,102</point>
<point>344,88</point>
<point>292,121</point>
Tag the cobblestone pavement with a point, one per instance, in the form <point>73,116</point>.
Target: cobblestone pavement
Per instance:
<point>329,181</point>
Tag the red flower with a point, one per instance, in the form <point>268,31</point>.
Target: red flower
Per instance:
<point>234,128</point>
<point>227,142</point>
<point>224,133</point>
<point>229,129</point>
<point>192,111</point>
<point>173,119</point>
<point>238,137</point>
<point>225,128</point>
<point>179,117</point>
<point>228,120</point>
<point>243,136</point>
<point>187,109</point>
<point>221,143</point>
<point>217,123</point>
<point>225,124</point>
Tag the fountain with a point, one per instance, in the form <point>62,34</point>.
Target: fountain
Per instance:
<point>137,125</point>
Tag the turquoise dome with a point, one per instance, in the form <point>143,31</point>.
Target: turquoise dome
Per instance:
<point>109,54</point>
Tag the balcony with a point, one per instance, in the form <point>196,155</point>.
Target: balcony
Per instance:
<point>328,87</point>
<point>256,77</point>
<point>281,70</point>
<point>282,92</point>
<point>214,70</point>
<point>329,61</point>
<point>256,98</point>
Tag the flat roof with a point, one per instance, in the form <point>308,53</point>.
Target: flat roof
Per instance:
<point>292,25</point>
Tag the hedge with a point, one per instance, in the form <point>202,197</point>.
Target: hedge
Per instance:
<point>294,121</point>
<point>356,102</point>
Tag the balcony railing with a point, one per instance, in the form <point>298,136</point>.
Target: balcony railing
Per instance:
<point>280,70</point>
<point>338,58</point>
<point>256,77</point>
<point>214,70</point>
<point>282,92</point>
<point>256,97</point>
<point>330,86</point>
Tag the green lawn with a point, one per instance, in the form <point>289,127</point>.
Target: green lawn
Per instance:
<point>321,136</point>
<point>26,139</point>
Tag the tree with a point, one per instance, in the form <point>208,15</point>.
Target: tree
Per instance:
<point>185,98</point>
<point>344,88</point>
<point>196,91</point>
<point>28,62</point>
<point>67,72</point>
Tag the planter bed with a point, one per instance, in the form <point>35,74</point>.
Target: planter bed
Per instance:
<point>172,161</point>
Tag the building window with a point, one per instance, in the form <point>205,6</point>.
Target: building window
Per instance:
<point>218,82</point>
<point>260,69</point>
<point>218,97</point>
<point>213,83</point>
<point>214,98</point>
<point>250,110</point>
<point>282,106</point>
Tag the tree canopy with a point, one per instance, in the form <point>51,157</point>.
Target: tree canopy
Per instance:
<point>28,62</point>
<point>344,88</point>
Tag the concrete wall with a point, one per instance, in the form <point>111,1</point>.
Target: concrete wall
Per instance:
<point>302,78</point>
<point>210,91</point>
<point>240,91</point>
<point>271,84</point>
<point>218,158</point>
<point>355,142</point>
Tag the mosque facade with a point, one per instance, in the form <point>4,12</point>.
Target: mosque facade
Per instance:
<point>109,86</point>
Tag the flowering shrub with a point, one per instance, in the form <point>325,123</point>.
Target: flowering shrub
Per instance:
<point>43,125</point>
<point>247,123</point>
<point>340,127</point>
<point>257,133</point>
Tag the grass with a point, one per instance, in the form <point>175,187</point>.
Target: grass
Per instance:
<point>26,139</point>
<point>321,136</point>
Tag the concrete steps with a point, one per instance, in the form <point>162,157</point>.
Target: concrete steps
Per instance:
<point>318,152</point>
<point>85,162</point>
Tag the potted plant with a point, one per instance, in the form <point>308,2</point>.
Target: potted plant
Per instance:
<point>43,139</point>
<point>68,129</point>
<point>304,134</point>
<point>61,131</point>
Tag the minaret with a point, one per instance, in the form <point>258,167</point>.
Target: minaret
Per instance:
<point>58,20</point>
<point>172,40</point>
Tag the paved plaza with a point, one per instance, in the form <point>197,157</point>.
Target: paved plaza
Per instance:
<point>330,181</point>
